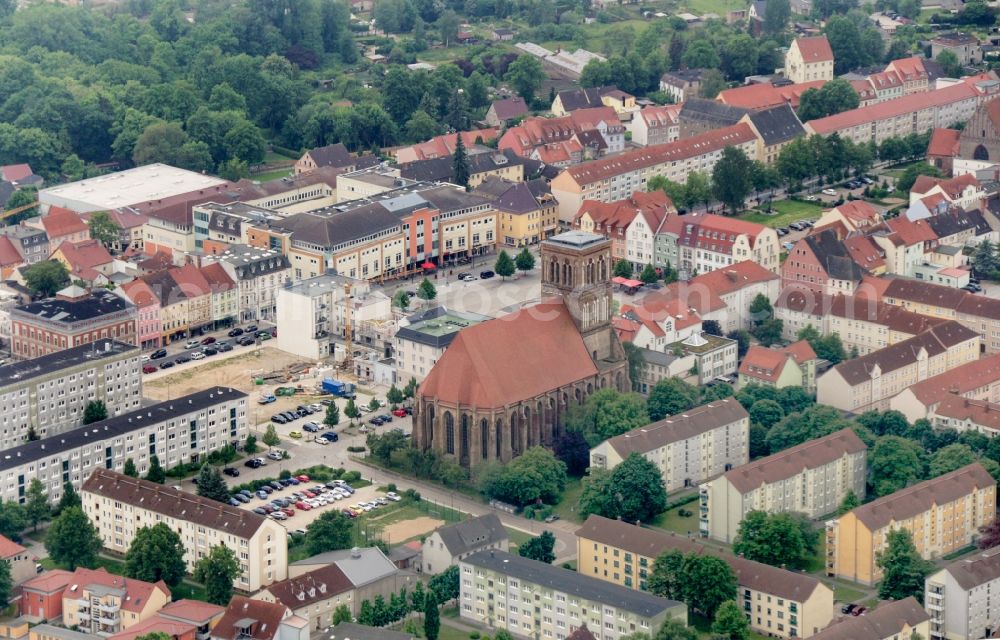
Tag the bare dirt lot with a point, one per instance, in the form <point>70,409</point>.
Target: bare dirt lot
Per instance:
<point>408,529</point>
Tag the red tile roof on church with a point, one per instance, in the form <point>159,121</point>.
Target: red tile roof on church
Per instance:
<point>511,358</point>
<point>944,142</point>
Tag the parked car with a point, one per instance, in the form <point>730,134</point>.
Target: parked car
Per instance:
<point>264,335</point>
<point>829,192</point>
<point>552,518</point>
<point>399,413</point>
<point>246,341</point>
<point>253,464</point>
<point>302,506</point>
<point>860,611</point>
<point>192,344</point>
<point>148,368</point>
<point>392,495</point>
<point>232,472</point>
<point>252,328</point>
<point>329,436</point>
<point>181,359</point>
<point>386,417</point>
<point>197,355</point>
<point>260,511</point>
<point>233,502</point>
<point>280,419</point>
<point>209,351</point>
<point>235,332</point>
<point>486,275</point>
<point>166,364</point>
<point>302,478</point>
<point>266,399</point>
<point>295,434</point>
<point>225,346</point>
<point>262,494</point>
<point>304,410</point>
<point>279,515</point>
<point>159,353</point>
<point>311,427</point>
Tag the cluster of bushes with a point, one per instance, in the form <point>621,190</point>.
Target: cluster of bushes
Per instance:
<point>224,455</point>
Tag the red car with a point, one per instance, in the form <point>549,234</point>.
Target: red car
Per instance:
<point>302,506</point>
<point>399,413</point>
<point>208,340</point>
<point>288,511</point>
<point>348,513</point>
<point>309,494</point>
<point>148,368</point>
<point>302,478</point>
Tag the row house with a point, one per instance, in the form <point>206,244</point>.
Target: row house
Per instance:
<point>688,448</point>
<point>964,191</point>
<point>854,215</point>
<point>963,414</point>
<point>899,117</point>
<point>149,321</point>
<point>708,242</point>
<point>568,139</point>
<point>812,478</point>
<point>444,145</point>
<point>977,312</point>
<point>870,381</point>
<point>777,602</point>
<point>85,260</point>
<point>119,506</point>
<point>179,431</point>
<point>617,177</point>
<point>614,220</point>
<point>775,128</point>
<point>258,274</point>
<point>943,515</point>
<point>656,125</point>
<point>791,366</point>
<point>526,211</point>
<point>31,243</point>
<point>863,324</point>
<point>978,380</point>
<point>821,264</point>
<point>75,316</point>
<point>61,225</point>
<point>218,226</point>
<point>765,95</point>
<point>335,156</point>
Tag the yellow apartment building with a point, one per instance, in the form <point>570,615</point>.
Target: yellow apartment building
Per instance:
<point>943,514</point>
<point>777,602</point>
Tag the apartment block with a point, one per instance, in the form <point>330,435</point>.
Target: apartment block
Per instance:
<point>977,312</point>
<point>48,394</point>
<point>534,599</point>
<point>943,515</point>
<point>258,274</point>
<point>870,381</point>
<point>958,598</point>
<point>119,505</point>
<point>177,431</point>
<point>688,448</point>
<point>423,337</point>
<point>778,602</point>
<point>811,478</point>
<point>976,380</point>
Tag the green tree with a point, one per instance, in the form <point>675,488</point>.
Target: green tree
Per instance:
<point>70,498</point>
<point>539,548</point>
<point>948,459</point>
<point>670,396</point>
<point>776,16</point>
<point>249,446</point>
<point>633,491</point>
<point>950,64</point>
<point>504,265</point>
<point>813,422</point>
<point>606,414</point>
<point>572,448</point>
<point>156,472</point>
<point>72,541</point>
<point>774,539</point>
<point>410,390</point>
<point>444,586</point>
<point>245,142</point>
<point>730,623</point>
<point>894,463</point>
<point>760,309</point>
<point>329,532</point>
<point>94,411</point>
<point>712,82</point>
<point>374,404</point>
<point>13,520</point>
<point>401,299</point>
<point>460,163</point>
<point>156,553</point>
<point>903,570</point>
<point>834,97</point>
<point>211,484</point>
<point>849,503</point>
<point>104,229</point>
<point>524,260</point>
<point>766,413</point>
<point>426,290</point>
<point>701,54</point>
<point>732,178</point>
<point>623,269</point>
<point>343,613</point>
<point>46,277</point>
<point>525,76</point>
<point>636,364</point>
<point>534,475</point>
<point>707,582</point>
<point>674,629</point>
<point>217,571</point>
<point>666,577</point>
<point>130,469</point>
<point>914,171</point>
<point>393,396</point>
<point>271,438</point>
<point>432,621</point>
<point>421,126</point>
<point>6,584</point>
<point>22,198</point>
<point>332,417</point>
<point>351,410</point>
<point>648,274</point>
<point>36,506</point>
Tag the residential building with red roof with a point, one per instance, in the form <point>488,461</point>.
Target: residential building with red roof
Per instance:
<point>942,149</point>
<point>562,349</point>
<point>15,172</point>
<point>736,286</point>
<point>865,91</point>
<point>247,619</point>
<point>659,321</point>
<point>870,381</point>
<point>886,84</point>
<point>978,380</point>
<point>765,95</point>
<point>10,257</point>
<point>224,294</point>
<point>965,46</point>
<point>173,629</point>
<point>61,225</point>
<point>656,125</point>
<point>963,191</point>
<point>147,303</point>
<point>964,414</point>
<point>443,145</point>
<point>809,59</point>
<point>854,214</point>
<point>503,112</point>
<point>130,224</point>
<point>912,71</point>
<point>708,242</point>
<point>914,113</point>
<point>41,596</point>
<point>21,561</point>
<point>617,177</point>
<point>645,211</point>
<point>195,288</point>
<point>565,140</point>
<point>85,260</point>
<point>791,366</point>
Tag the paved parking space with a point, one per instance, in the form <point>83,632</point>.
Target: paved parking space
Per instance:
<point>302,519</point>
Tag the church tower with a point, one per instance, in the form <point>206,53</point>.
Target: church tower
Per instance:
<point>576,266</point>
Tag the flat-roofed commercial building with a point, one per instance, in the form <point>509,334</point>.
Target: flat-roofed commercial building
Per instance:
<point>120,505</point>
<point>688,448</point>
<point>47,395</point>
<point>74,317</point>
<point>423,337</point>
<point>943,515</point>
<point>185,429</point>
<point>535,599</point>
<point>811,478</point>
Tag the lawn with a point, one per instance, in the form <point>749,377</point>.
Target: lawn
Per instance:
<point>671,521</point>
<point>784,212</point>
<point>267,176</point>
<point>450,633</point>
<point>517,538</point>
<point>569,507</point>
<point>842,593</point>
<point>718,7</point>
<point>898,170</point>
<point>704,627</point>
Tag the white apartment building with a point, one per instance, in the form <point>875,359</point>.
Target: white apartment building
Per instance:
<point>532,599</point>
<point>961,598</point>
<point>48,394</point>
<point>423,337</point>
<point>688,448</point>
<point>312,314</point>
<point>259,274</point>
<point>120,505</point>
<point>186,429</point>
<point>810,478</point>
